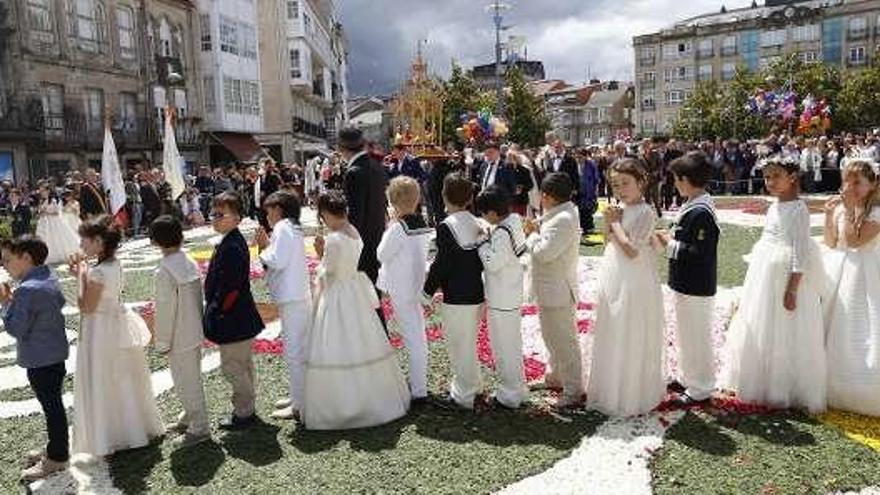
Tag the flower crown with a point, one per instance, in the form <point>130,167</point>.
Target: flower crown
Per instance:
<point>785,161</point>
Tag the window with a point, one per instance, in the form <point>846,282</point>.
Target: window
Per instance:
<point>809,57</point>
<point>649,76</point>
<point>292,9</point>
<point>128,111</point>
<point>728,70</point>
<point>228,35</point>
<point>810,32</point>
<point>772,38</point>
<point>307,24</point>
<point>253,89</point>
<point>164,38</point>
<point>180,103</point>
<point>295,72</point>
<point>705,72</point>
<point>210,94</point>
<point>232,98</point>
<point>248,41</point>
<point>87,15</point>
<point>728,45</point>
<point>40,20</point>
<point>857,55</point>
<point>684,48</point>
<point>858,24</point>
<point>705,48</point>
<point>125,24</point>
<point>681,73</point>
<point>205,29</point>
<point>53,107</point>
<point>674,97</point>
<point>649,124</point>
<point>648,101</point>
<point>94,108</point>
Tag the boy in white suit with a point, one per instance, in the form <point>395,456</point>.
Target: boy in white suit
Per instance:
<point>284,257</point>
<point>503,273</point>
<point>403,254</point>
<point>554,253</point>
<point>178,327</point>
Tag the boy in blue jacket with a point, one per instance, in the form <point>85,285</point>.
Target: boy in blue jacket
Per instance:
<point>32,315</point>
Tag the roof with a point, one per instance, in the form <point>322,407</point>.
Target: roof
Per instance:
<point>608,97</point>
<point>746,13</point>
<point>544,86</point>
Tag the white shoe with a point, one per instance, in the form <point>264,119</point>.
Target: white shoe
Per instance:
<point>283,404</point>
<point>286,413</point>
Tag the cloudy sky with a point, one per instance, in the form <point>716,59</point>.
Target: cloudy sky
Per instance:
<point>572,37</point>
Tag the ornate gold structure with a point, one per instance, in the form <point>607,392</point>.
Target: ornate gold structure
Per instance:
<point>418,111</point>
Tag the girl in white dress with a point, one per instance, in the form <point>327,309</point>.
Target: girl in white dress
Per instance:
<point>626,372</point>
<point>54,230</point>
<point>114,405</point>
<point>852,225</point>
<point>775,350</point>
<point>71,210</point>
<point>352,377</point>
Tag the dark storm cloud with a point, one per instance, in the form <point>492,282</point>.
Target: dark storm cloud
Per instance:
<point>573,38</point>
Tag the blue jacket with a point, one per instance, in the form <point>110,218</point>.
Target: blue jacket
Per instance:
<point>34,318</point>
<point>230,312</point>
<point>589,181</point>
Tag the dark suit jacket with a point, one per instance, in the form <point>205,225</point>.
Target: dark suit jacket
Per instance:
<point>694,268</point>
<point>505,176</point>
<point>151,201</point>
<point>92,200</point>
<point>409,167</point>
<point>230,312</point>
<point>21,219</point>
<point>365,182</point>
<point>569,167</point>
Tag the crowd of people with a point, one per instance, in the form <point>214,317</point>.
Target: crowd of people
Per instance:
<point>508,225</point>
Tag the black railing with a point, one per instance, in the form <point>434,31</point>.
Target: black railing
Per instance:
<point>305,127</point>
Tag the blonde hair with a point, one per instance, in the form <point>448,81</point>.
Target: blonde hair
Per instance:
<point>403,193</point>
<point>866,170</point>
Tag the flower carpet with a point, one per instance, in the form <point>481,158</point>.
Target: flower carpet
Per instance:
<point>725,447</point>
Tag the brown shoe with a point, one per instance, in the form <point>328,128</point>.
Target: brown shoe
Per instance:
<point>42,469</point>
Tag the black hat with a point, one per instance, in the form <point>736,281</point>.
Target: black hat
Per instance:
<point>351,138</point>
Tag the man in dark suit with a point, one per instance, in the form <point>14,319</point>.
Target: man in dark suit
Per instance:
<point>495,172</point>
<point>403,163</point>
<point>563,162</point>
<point>92,199</point>
<point>149,197</point>
<point>231,317</point>
<point>365,183</point>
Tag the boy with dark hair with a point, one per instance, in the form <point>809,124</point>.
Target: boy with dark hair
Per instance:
<point>457,270</point>
<point>693,265</point>
<point>178,327</point>
<point>231,317</point>
<point>504,273</point>
<point>554,245</point>
<point>32,315</point>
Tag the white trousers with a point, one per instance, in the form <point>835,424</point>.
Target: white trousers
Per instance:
<point>559,331</point>
<point>411,320</point>
<point>296,318</point>
<point>693,319</point>
<point>460,323</point>
<point>505,335</point>
<point>186,374</point>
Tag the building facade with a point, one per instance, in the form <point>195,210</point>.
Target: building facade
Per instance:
<point>669,63</point>
<point>70,62</point>
<point>596,113</point>
<point>484,75</point>
<point>303,69</point>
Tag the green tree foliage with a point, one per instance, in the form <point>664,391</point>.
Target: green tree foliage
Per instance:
<point>858,103</point>
<point>461,95</point>
<point>525,112</point>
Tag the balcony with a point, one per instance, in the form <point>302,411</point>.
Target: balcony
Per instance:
<point>186,132</point>
<point>647,84</point>
<point>728,51</point>
<point>647,61</point>
<point>707,53</point>
<point>857,34</point>
<point>21,119</point>
<point>303,126</point>
<point>165,65</point>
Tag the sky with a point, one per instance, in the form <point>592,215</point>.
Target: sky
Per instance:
<point>574,38</point>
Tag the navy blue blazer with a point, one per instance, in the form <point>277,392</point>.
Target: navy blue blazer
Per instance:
<point>230,312</point>
<point>505,176</point>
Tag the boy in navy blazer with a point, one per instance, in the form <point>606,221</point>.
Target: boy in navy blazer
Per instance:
<point>231,317</point>
<point>692,249</point>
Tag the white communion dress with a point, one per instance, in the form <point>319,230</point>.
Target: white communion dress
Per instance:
<point>54,230</point>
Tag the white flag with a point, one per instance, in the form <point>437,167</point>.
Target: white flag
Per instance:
<point>111,176</point>
<point>171,161</point>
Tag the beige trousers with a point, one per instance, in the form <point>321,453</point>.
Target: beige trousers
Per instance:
<point>186,374</point>
<point>505,335</point>
<point>460,323</point>
<point>237,366</point>
<point>559,331</point>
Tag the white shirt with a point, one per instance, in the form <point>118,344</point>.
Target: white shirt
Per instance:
<point>285,261</point>
<point>403,255</point>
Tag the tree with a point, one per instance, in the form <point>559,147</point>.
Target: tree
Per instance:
<point>697,117</point>
<point>525,112</point>
<point>460,95</point>
<point>858,103</point>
